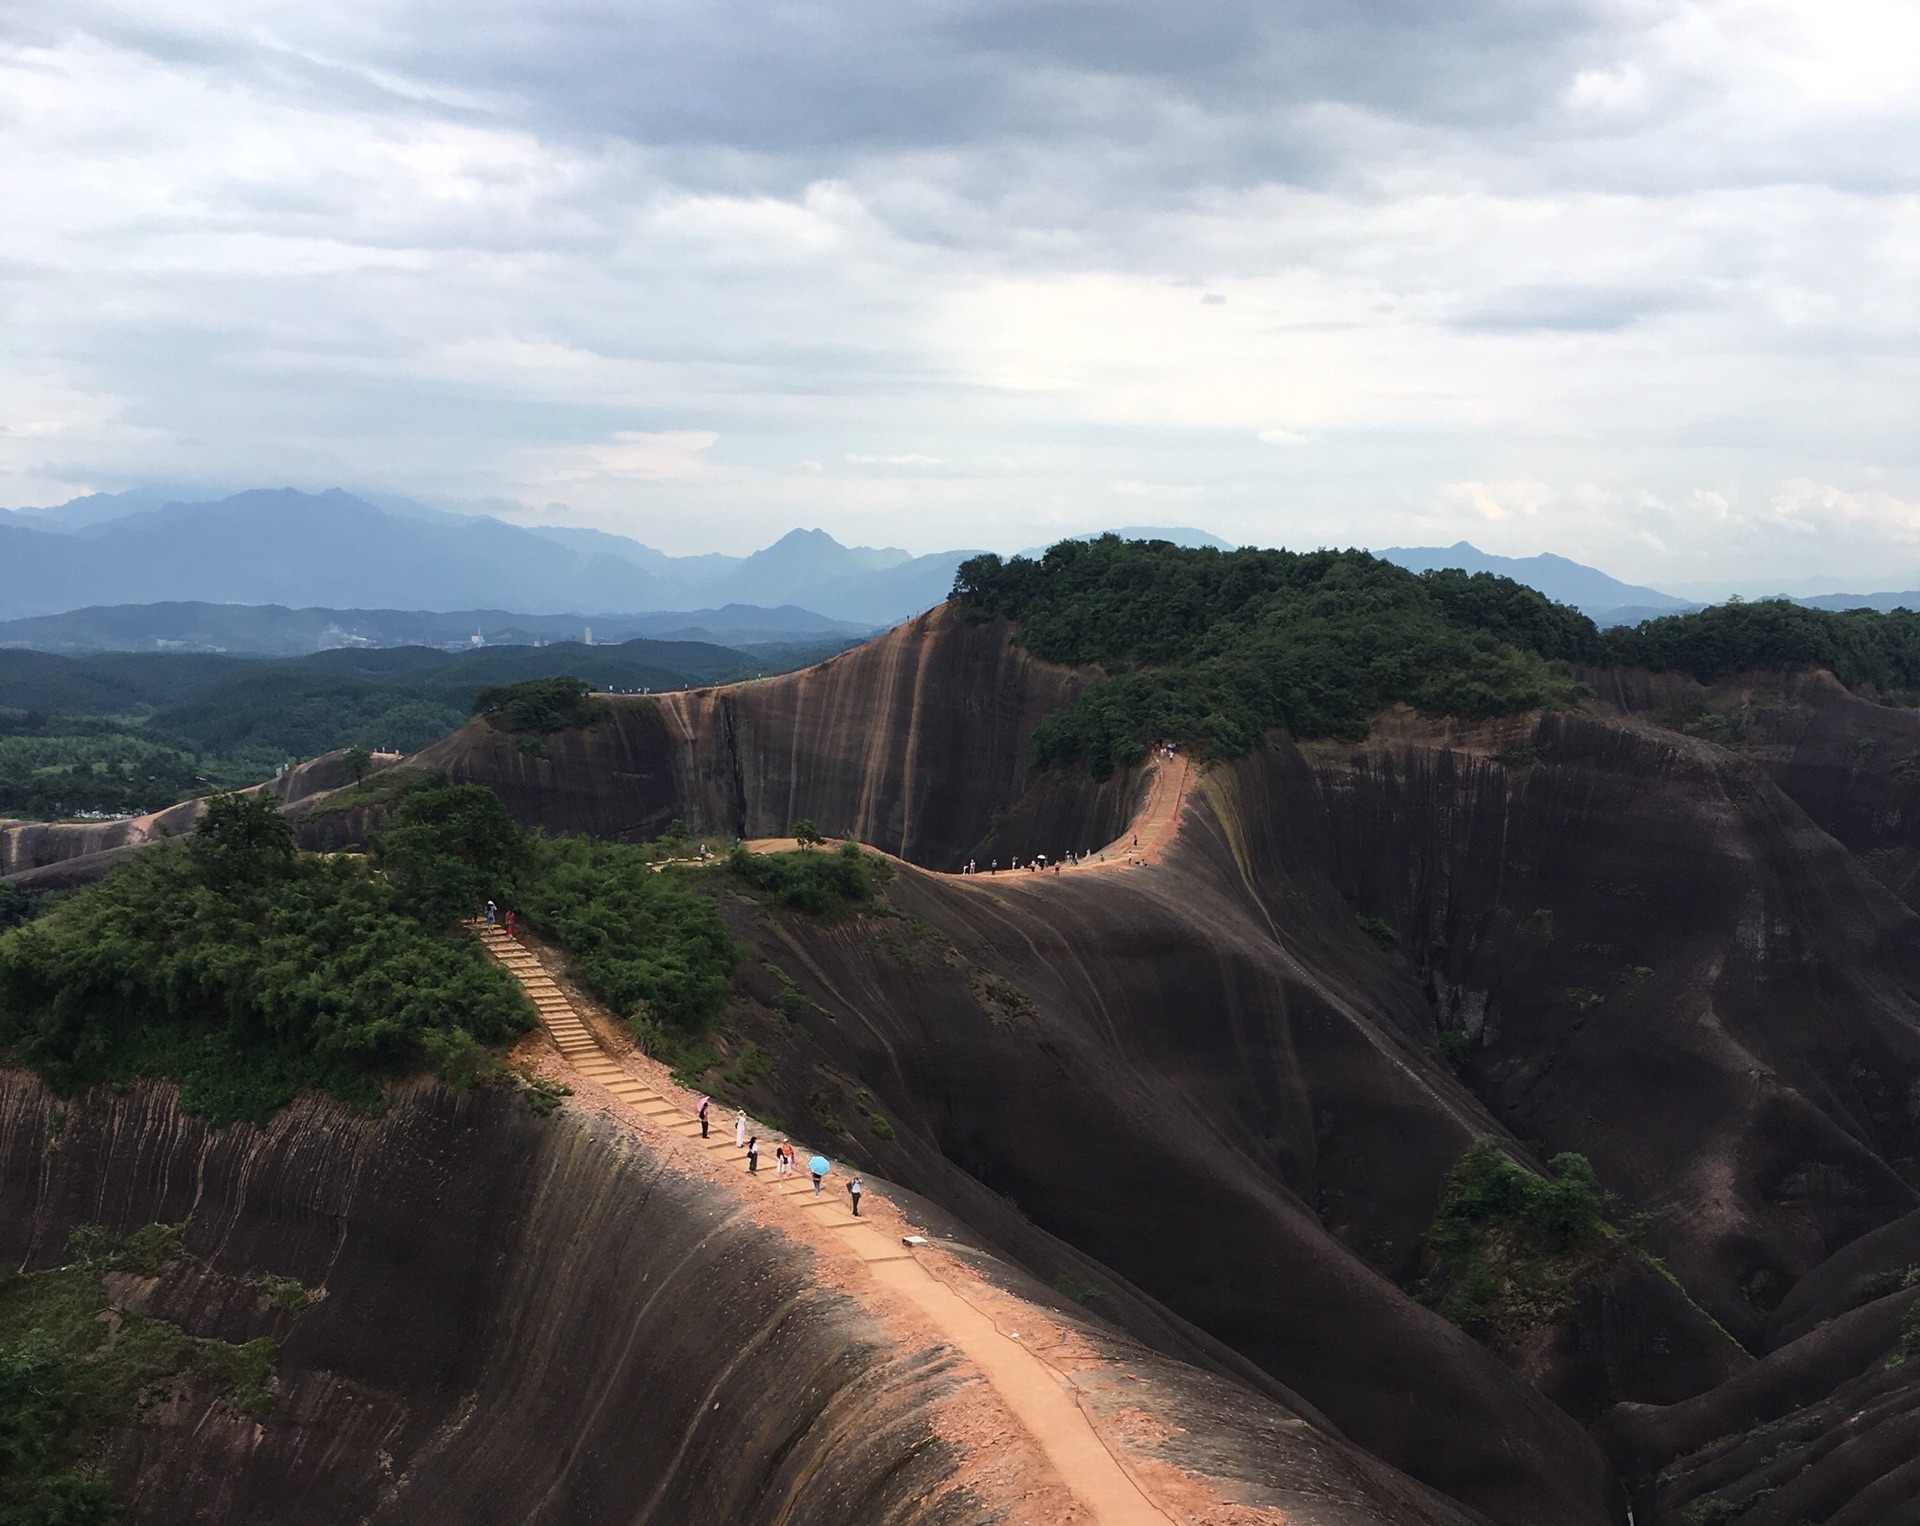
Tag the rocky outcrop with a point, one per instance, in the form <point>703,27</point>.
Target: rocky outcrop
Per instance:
<point>57,855</point>
<point>1656,959</point>
<point>918,742</point>
<point>517,1320</point>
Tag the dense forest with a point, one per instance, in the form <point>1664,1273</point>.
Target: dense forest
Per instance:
<point>1860,646</point>
<point>1214,648</point>
<point>249,972</point>
<point>135,731</point>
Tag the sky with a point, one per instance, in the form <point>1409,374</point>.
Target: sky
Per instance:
<point>1636,282</point>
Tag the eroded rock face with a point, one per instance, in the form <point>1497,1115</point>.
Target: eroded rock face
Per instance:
<point>1680,976</point>
<point>917,742</point>
<point>522,1320</point>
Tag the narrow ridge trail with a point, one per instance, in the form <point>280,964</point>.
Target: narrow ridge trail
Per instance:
<point>1038,1396</point>
<point>1145,839</point>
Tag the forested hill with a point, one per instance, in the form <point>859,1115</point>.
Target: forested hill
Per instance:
<point>1214,648</point>
<point>134,731</point>
<point>1859,646</point>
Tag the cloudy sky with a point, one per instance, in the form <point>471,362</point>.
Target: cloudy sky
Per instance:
<point>1634,281</point>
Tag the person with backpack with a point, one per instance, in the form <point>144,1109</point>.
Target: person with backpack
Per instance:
<point>853,1191</point>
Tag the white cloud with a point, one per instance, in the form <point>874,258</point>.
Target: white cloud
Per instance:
<point>1634,282</point>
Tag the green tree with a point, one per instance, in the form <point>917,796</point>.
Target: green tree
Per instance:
<point>807,834</point>
<point>241,840</point>
<point>447,851</point>
<point>356,761</point>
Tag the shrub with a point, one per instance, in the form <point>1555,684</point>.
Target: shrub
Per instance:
<point>640,941</point>
<point>1514,1246</point>
<point>538,705</point>
<point>64,1387</point>
<point>817,883</point>
<point>1379,932</point>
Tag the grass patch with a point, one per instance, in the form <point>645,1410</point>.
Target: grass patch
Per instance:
<point>382,788</point>
<point>1005,1002</point>
<point>750,1065</point>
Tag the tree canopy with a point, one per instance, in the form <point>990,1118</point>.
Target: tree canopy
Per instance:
<point>1215,648</point>
<point>1860,646</point>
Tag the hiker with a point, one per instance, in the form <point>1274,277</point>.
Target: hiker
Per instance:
<point>509,921</point>
<point>493,913</point>
<point>702,1110</point>
<point>740,1130</point>
<point>753,1156</point>
<point>817,1168</point>
<point>853,1191</point>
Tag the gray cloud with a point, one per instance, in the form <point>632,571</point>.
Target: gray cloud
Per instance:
<point>1582,274</point>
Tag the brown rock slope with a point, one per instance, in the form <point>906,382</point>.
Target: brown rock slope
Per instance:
<point>584,1319</point>
<point>1205,1078</point>
<point>917,742</point>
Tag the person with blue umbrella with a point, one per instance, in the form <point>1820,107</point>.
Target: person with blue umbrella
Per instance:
<point>819,1166</point>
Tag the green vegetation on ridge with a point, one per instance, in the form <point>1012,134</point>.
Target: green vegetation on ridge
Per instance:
<point>249,972</point>
<point>1215,648</point>
<point>71,1373</point>
<point>1859,646</point>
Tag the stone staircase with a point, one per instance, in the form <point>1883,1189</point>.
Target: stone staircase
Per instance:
<point>583,1052</point>
<point>1040,1399</point>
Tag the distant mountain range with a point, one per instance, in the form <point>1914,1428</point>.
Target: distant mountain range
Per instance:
<point>333,550</point>
<point>1605,600</point>
<point>280,571</point>
<point>272,630</point>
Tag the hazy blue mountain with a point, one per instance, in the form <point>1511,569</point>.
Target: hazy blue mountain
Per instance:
<point>272,630</point>
<point>1880,601</point>
<point>334,550</point>
<point>1606,599</point>
<point>97,508</point>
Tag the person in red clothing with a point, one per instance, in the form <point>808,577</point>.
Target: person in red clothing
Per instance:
<point>509,922</point>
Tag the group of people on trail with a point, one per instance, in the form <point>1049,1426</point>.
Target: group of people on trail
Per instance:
<point>497,917</point>
<point>784,1154</point>
<point>1038,864</point>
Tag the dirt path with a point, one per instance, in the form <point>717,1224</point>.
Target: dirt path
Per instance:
<point>1146,838</point>
<point>1038,1396</point>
